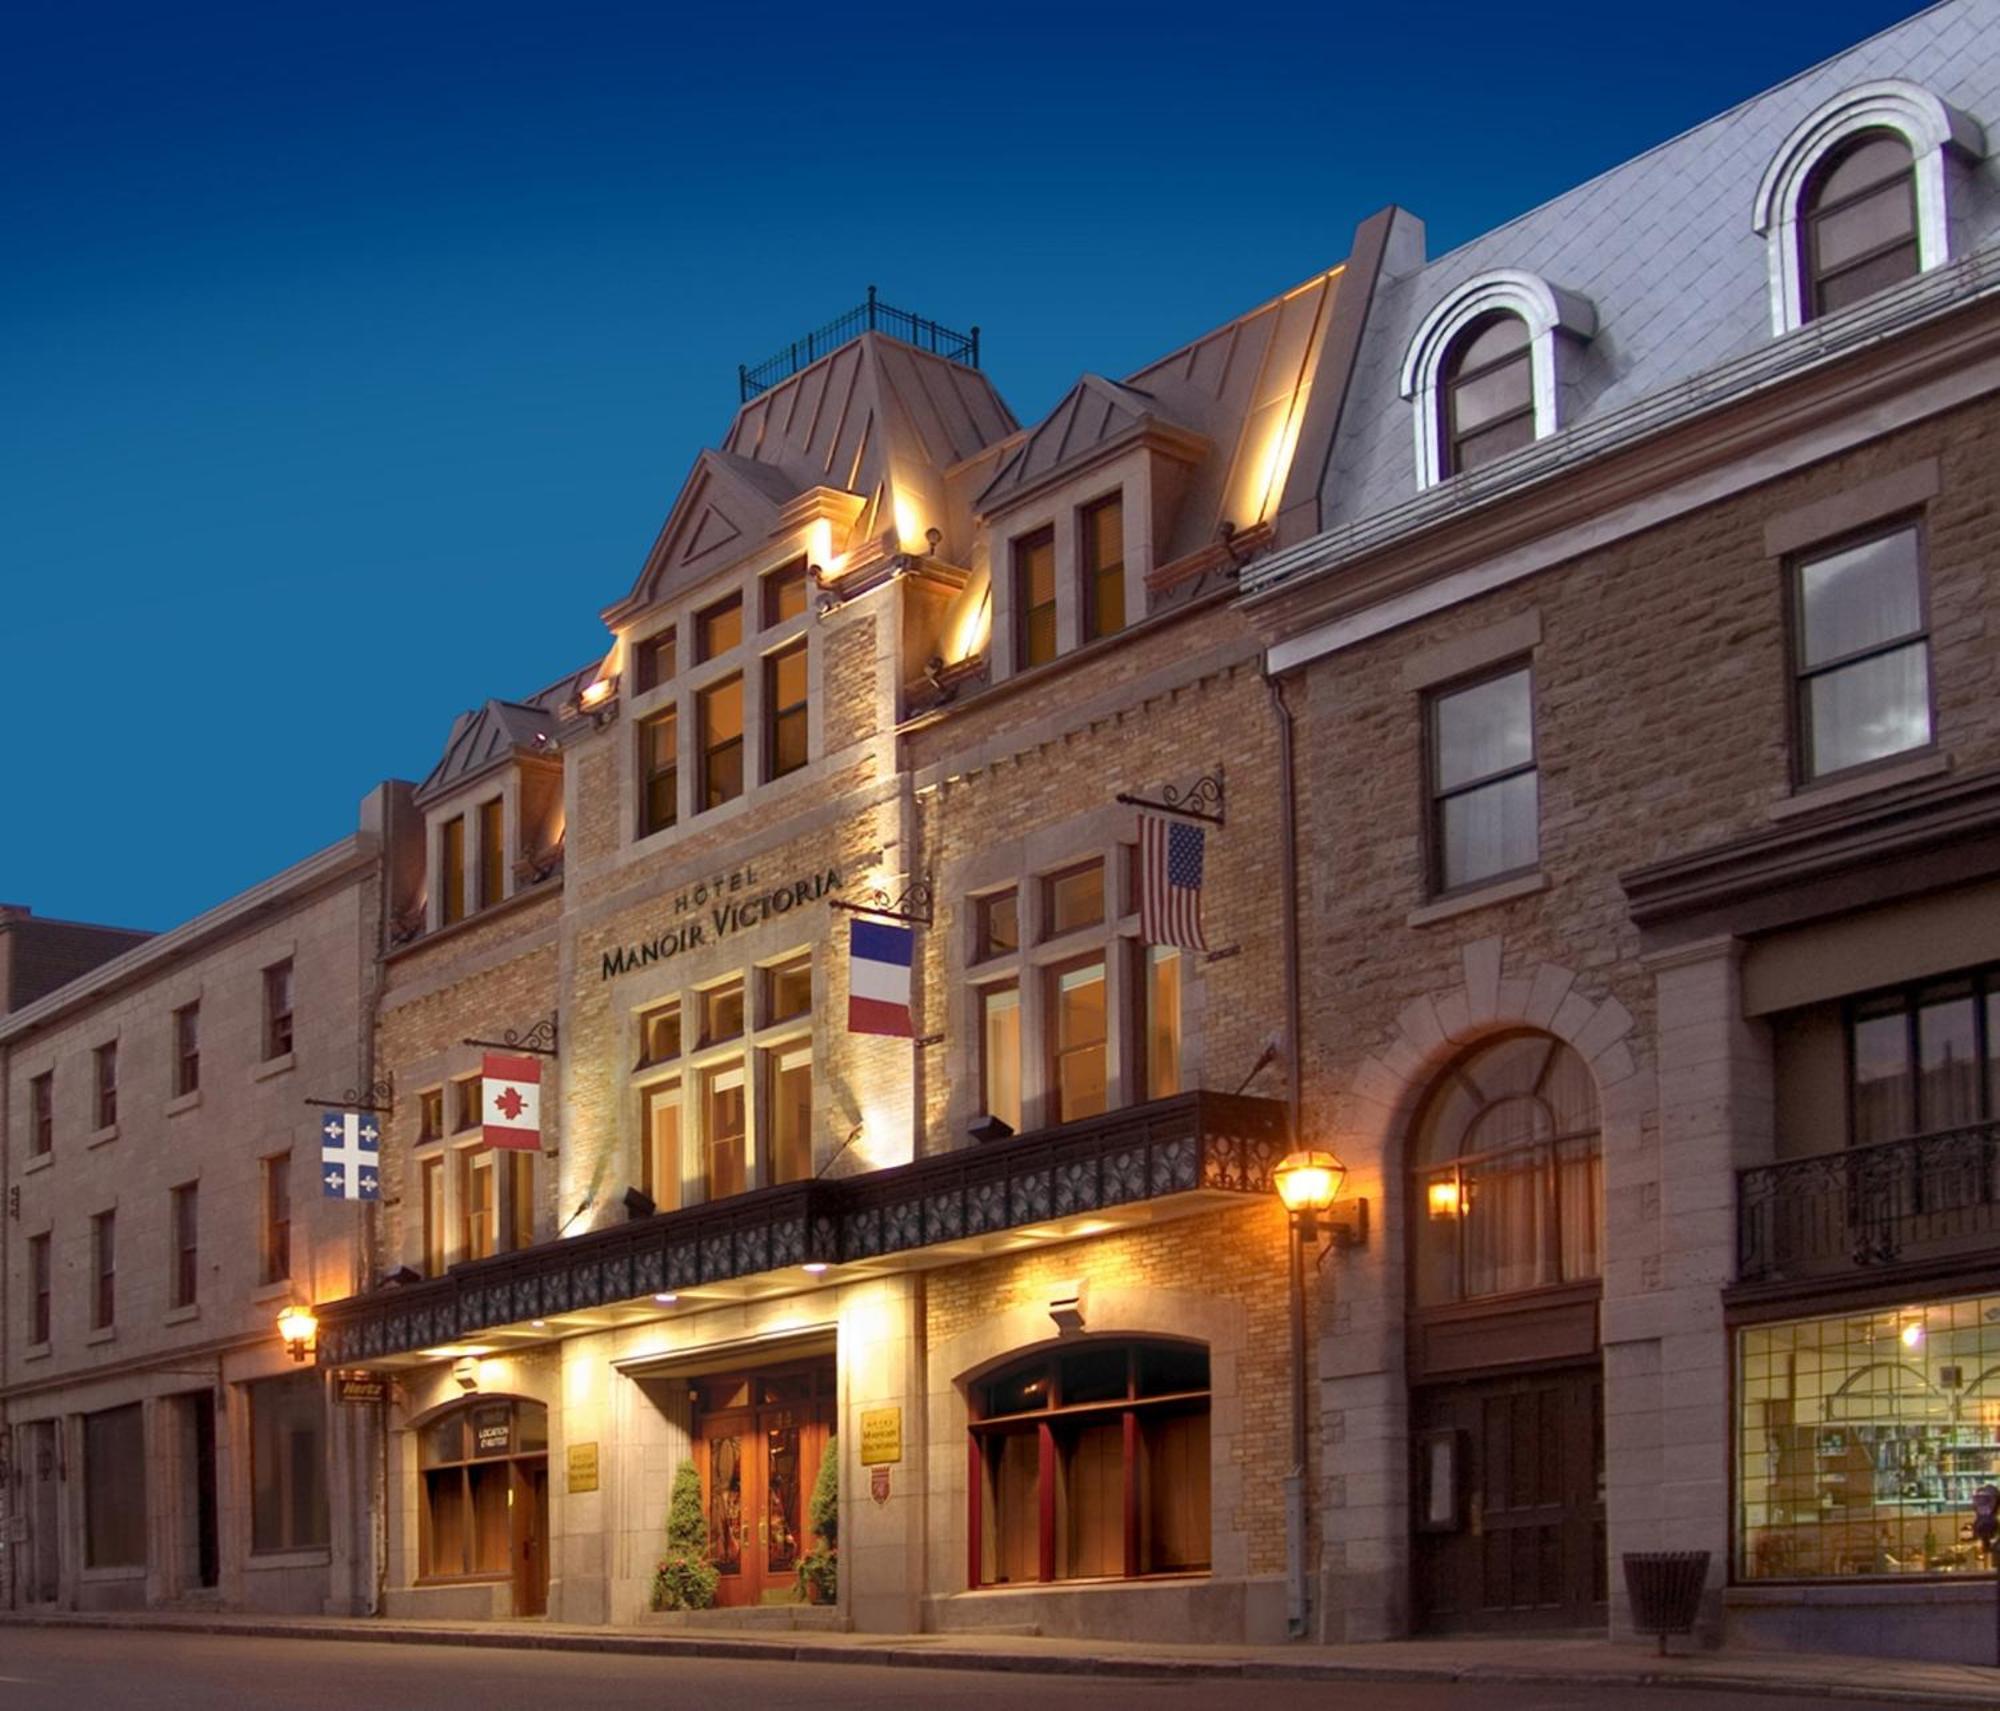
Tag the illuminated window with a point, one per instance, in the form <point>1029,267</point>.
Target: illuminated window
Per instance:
<point>478,1462</point>
<point>788,1089</point>
<point>432,1171</point>
<point>725,1164</point>
<point>1079,1069</point>
<point>660,1035</point>
<point>1101,537</point>
<point>722,1012</point>
<point>430,1114</point>
<point>1073,900</point>
<point>466,1112</point>
<point>996,925</point>
<point>785,593</point>
<point>659,772</point>
<point>492,852</point>
<point>719,628</point>
<point>654,660</point>
<point>1035,598</point>
<point>520,1198</point>
<point>660,1150</point>
<point>187,1049</point>
<point>719,714</point>
<point>785,710</point>
<point>1000,1053</point>
<point>478,1208</point>
<point>451,870</point>
<point>788,990</point>
<point>277,1217</point>
<point>1484,795</point>
<point>1163,1021</point>
<point>1861,652</point>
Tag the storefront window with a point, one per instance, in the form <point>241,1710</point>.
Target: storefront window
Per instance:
<point>287,1464</point>
<point>478,1463</point>
<point>114,1488</point>
<point>1861,1438</point>
<point>1093,1465</point>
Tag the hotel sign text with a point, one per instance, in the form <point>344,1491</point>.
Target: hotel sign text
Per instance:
<point>718,907</point>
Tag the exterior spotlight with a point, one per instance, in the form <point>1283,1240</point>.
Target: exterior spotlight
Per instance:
<point>666,1298</point>
<point>639,1204</point>
<point>597,693</point>
<point>987,1127</point>
<point>298,1327</point>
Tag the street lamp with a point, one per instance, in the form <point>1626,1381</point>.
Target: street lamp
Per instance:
<point>298,1327</point>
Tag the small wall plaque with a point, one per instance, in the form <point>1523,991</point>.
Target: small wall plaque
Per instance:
<point>881,1436</point>
<point>582,1467</point>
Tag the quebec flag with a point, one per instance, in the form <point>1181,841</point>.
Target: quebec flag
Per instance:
<point>878,979</point>
<point>350,1157</point>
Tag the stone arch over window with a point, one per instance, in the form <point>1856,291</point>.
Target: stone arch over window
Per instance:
<point>1483,311</point>
<point>1934,134</point>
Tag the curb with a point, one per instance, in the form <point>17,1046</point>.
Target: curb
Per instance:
<point>892,1654</point>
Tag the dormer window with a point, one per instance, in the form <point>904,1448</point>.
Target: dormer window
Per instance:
<point>1489,393</point>
<point>1101,549</point>
<point>1856,199</point>
<point>655,660</point>
<point>1035,599</point>
<point>1860,222</point>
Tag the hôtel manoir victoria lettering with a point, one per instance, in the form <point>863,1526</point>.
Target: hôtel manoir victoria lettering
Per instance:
<point>727,910</point>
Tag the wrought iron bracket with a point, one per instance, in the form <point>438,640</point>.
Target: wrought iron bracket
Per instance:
<point>1202,800</point>
<point>378,1097</point>
<point>915,906</point>
<point>540,1040</point>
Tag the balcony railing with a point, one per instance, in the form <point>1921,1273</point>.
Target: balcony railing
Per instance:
<point>1194,1141</point>
<point>1926,1197</point>
<point>870,317</point>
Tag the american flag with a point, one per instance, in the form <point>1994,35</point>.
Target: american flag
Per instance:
<point>1170,862</point>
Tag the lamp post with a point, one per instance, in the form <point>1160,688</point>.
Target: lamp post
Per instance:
<point>298,1327</point>
<point>1307,1183</point>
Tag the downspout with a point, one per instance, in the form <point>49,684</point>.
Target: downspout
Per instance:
<point>1298,1574</point>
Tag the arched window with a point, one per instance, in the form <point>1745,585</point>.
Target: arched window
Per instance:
<point>481,1463</point>
<point>1860,225</point>
<point>1507,1179</point>
<point>1091,1464</point>
<point>1489,393</point>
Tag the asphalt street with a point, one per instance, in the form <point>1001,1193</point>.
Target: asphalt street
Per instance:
<point>81,1670</point>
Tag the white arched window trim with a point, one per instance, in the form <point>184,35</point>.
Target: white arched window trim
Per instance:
<point>1928,125</point>
<point>1547,312</point>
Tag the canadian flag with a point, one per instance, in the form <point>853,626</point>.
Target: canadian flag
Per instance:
<point>510,1094</point>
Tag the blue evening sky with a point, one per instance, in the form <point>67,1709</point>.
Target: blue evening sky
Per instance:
<point>351,355</point>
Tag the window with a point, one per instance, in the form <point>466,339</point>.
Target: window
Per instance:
<point>785,710</point>
<point>477,1462</point>
<point>788,1094</point>
<point>1035,598</point>
<point>185,1280</point>
<point>996,928</point>
<point>1000,1053</point>
<point>1101,542</point>
<point>432,1173</point>
<point>1509,1186</point>
<point>103,1270</point>
<point>42,1114</point>
<point>1484,813</point>
<point>1163,1021</point>
<point>722,1012</point>
<point>106,1061</point>
<point>718,629</point>
<point>1072,900</point>
<point>1092,1464</point>
<point>788,990</point>
<point>287,1464</point>
<point>1926,1059</point>
<point>114,1488</point>
<point>277,1217</point>
<point>725,1165</point>
<point>659,772</point>
<point>478,1208</point>
<point>785,593</point>
<point>1079,1070</point>
<point>660,1149</point>
<point>1860,1439</point>
<point>660,1035</point>
<point>1862,654</point>
<point>465,1105</point>
<point>1860,222</point>
<point>719,715</point>
<point>654,660</point>
<point>451,870</point>
<point>278,1010</point>
<point>520,1198</point>
<point>187,1049</point>
<point>492,852</point>
<point>39,1316</point>
<point>1489,394</point>
<point>430,1114</point>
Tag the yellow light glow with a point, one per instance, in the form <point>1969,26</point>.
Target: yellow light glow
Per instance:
<point>596,694</point>
<point>1444,1199</point>
<point>972,629</point>
<point>298,1327</point>
<point>1308,1181</point>
<point>909,528</point>
<point>1913,1334</point>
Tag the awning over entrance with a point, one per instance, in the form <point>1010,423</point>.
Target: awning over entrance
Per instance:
<point>1193,1145</point>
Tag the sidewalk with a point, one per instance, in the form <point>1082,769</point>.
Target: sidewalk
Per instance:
<point>1599,1663</point>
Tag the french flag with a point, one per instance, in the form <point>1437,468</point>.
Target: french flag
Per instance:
<point>878,979</point>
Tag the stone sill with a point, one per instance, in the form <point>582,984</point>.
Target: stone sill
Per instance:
<point>104,1576</point>
<point>273,1066</point>
<point>103,1334</point>
<point>38,1161</point>
<point>38,1351</point>
<point>1855,1593</point>
<point>183,1102</point>
<point>106,1134</point>
<point>312,1556</point>
<point>1502,891</point>
<point>272,1291</point>
<point>181,1315</point>
<point>1809,798</point>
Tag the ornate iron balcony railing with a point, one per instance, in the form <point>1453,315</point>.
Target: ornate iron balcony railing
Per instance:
<point>1193,1141</point>
<point>1924,1197</point>
<point>870,317</point>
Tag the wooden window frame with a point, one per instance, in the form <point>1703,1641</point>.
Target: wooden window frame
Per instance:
<point>768,976</point>
<point>774,585</point>
<point>710,751</point>
<point>434,1214</point>
<point>187,1049</point>
<point>42,1114</point>
<point>1048,883</point>
<point>467,1105</point>
<point>1091,576</point>
<point>430,1115</point>
<point>184,1231</point>
<point>1905,1000</point>
<point>780,718</point>
<point>452,901</point>
<point>492,851</point>
<point>983,997</point>
<point>708,617</point>
<point>1435,798</point>
<point>467,1163</point>
<point>278,1010</point>
<point>646,673</point>
<point>1813,280</point>
<point>514,1460</point>
<point>647,1057</point>
<point>1025,613</point>
<point>104,1269</point>
<point>652,771</point>
<point>104,1064</point>
<point>985,946</point>
<point>1452,376</point>
<point>1099,958</point>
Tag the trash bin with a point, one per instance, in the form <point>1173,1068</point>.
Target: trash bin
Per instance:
<point>1665,1589</point>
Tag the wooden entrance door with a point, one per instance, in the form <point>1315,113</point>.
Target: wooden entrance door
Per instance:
<point>529,1505</point>
<point>758,1460</point>
<point>1509,1510</point>
<point>40,1461</point>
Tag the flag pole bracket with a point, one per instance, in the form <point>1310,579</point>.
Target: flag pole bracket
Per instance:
<point>540,1040</point>
<point>378,1098</point>
<point>914,907</point>
<point>1202,800</point>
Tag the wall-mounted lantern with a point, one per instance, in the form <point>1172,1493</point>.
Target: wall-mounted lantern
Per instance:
<point>298,1327</point>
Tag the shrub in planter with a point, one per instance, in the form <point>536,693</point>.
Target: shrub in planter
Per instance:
<point>685,1579</point>
<point>819,1568</point>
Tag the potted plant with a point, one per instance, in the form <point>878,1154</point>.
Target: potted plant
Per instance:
<point>685,1579</point>
<point>819,1568</point>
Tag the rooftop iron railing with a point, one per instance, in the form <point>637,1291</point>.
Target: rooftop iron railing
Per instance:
<point>1928,1196</point>
<point>873,316</point>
